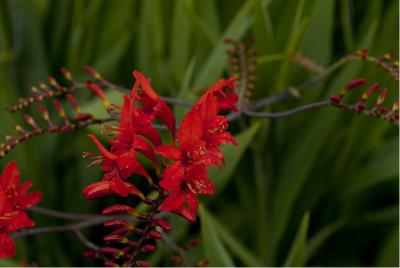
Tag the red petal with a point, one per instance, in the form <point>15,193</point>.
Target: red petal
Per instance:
<point>7,247</point>
<point>128,165</point>
<point>145,84</point>
<point>23,188</point>
<point>10,176</point>
<point>192,201</point>
<point>172,176</point>
<point>169,151</point>
<point>203,186</point>
<point>15,221</point>
<point>186,214</point>
<point>146,149</point>
<point>97,189</point>
<point>30,199</point>
<point>173,201</point>
<point>105,152</point>
<point>5,204</point>
<point>167,116</point>
<point>150,133</point>
<point>118,187</point>
<point>191,128</point>
<point>117,209</point>
<point>221,138</point>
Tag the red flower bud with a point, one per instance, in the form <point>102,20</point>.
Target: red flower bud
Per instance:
<point>66,73</point>
<point>83,117</point>
<point>117,209</point>
<point>113,251</point>
<point>356,83</point>
<point>202,263</point>
<point>149,248</point>
<point>115,238</point>
<point>110,264</point>
<point>370,91</point>
<point>335,100</point>
<point>96,89</point>
<point>164,224</point>
<point>155,234</point>
<point>360,106</point>
<point>92,72</point>
<point>142,263</point>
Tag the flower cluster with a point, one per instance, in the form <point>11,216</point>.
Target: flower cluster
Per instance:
<point>377,110</point>
<point>194,148</point>
<point>200,134</point>
<point>14,199</point>
<point>61,121</point>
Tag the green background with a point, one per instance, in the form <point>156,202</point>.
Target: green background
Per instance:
<point>316,189</point>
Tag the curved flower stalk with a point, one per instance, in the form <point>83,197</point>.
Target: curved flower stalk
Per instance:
<point>62,122</point>
<point>377,109</point>
<point>14,199</point>
<point>194,148</point>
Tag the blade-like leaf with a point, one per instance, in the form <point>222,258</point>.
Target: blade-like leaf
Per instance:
<point>233,155</point>
<point>297,254</point>
<point>215,251</point>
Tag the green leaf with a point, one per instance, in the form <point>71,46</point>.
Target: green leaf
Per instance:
<point>215,251</point>
<point>235,246</point>
<point>317,240</point>
<point>297,167</point>
<point>345,6</point>
<point>184,89</point>
<point>9,263</point>
<point>233,154</point>
<point>215,63</point>
<point>297,252</point>
<point>389,253</point>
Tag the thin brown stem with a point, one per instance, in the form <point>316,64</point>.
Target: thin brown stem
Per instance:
<point>288,92</point>
<point>180,251</point>
<point>72,227</point>
<point>311,106</point>
<point>60,214</point>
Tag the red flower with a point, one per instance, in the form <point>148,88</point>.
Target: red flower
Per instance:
<point>103,188</point>
<point>13,201</point>
<point>225,100</point>
<point>182,198</point>
<point>200,134</point>
<point>152,105</point>
<point>117,166</point>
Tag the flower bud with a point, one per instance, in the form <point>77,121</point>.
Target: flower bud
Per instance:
<point>155,234</point>
<point>164,224</point>
<point>149,248</point>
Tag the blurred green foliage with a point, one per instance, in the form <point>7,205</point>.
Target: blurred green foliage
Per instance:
<point>319,188</point>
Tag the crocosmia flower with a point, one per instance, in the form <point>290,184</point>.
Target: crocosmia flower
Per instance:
<point>14,199</point>
<point>200,134</point>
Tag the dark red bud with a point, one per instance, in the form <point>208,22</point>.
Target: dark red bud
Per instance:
<point>355,83</point>
<point>176,259</point>
<point>142,263</point>
<point>115,238</point>
<point>360,106</point>
<point>149,248</point>
<point>336,100</point>
<point>110,264</point>
<point>115,223</point>
<point>90,254</point>
<point>117,209</point>
<point>164,224</point>
<point>83,117</point>
<point>193,243</point>
<point>155,234</point>
<point>112,251</point>
<point>121,231</point>
<point>203,262</point>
